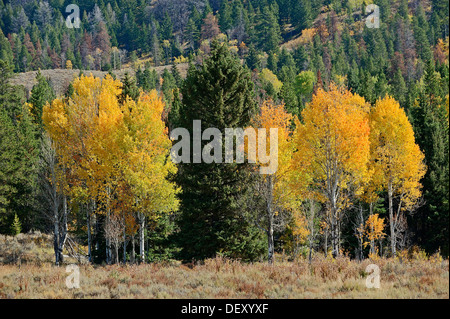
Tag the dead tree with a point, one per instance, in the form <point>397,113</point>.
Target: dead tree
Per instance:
<point>114,228</point>
<point>54,201</point>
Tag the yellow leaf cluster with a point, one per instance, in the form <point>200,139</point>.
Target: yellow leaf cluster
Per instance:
<point>396,159</point>
<point>115,153</point>
<point>275,116</point>
<point>268,76</point>
<point>332,143</point>
<point>373,229</point>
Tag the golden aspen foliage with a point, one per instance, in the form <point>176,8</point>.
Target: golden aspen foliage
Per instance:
<point>116,153</point>
<point>332,143</point>
<point>395,157</point>
<point>332,152</point>
<point>273,116</point>
<point>299,226</point>
<point>397,161</point>
<point>278,203</point>
<point>268,76</point>
<point>147,146</point>
<point>373,229</point>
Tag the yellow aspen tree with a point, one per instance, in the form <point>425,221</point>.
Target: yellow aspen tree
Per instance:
<point>117,153</point>
<point>397,161</point>
<point>332,148</point>
<point>272,189</point>
<point>85,128</point>
<point>373,231</point>
<point>147,148</point>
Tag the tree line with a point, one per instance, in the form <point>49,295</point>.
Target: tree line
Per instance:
<point>103,171</point>
<point>391,83</point>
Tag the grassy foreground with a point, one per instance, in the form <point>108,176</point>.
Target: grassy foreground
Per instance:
<point>415,277</point>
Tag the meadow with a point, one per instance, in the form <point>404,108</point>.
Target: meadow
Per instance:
<point>26,271</point>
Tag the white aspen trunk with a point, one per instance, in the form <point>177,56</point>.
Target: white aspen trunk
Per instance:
<point>109,250</point>
<point>334,244</point>
<point>116,246</point>
<point>311,223</point>
<point>334,219</point>
<point>372,241</point>
<point>270,220</point>
<point>55,217</point>
<point>141,237</point>
<point>108,243</point>
<point>270,242</point>
<point>124,242</point>
<point>56,237</point>
<point>133,251</point>
<point>63,233</point>
<point>391,219</point>
<point>88,225</point>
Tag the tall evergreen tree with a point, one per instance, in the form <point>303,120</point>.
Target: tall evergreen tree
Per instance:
<point>18,155</point>
<point>252,58</point>
<point>10,97</point>
<point>220,94</point>
<point>303,17</point>
<point>432,131</point>
<point>129,89</point>
<point>225,21</point>
<point>268,30</point>
<point>41,93</point>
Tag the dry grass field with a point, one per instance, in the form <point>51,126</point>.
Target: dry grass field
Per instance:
<point>30,274</point>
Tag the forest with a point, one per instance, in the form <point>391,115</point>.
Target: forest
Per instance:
<point>362,115</point>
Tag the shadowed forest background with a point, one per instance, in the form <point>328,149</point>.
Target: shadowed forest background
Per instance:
<point>85,158</point>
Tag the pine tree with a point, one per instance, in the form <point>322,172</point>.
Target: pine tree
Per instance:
<point>167,28</point>
<point>432,131</point>
<point>18,155</point>
<point>129,89</point>
<point>174,114</point>
<point>399,89</point>
<point>420,34</point>
<point>16,226</point>
<point>220,94</point>
<point>176,75</point>
<point>6,53</point>
<point>41,93</point>
<point>252,58</point>
<point>303,18</point>
<point>403,9</point>
<point>225,20</point>
<point>168,85</point>
<point>10,97</point>
<point>192,34</point>
<point>268,31</point>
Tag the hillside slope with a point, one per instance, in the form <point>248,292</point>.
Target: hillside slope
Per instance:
<point>61,78</point>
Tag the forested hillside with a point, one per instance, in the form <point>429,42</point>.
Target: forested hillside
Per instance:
<point>362,116</point>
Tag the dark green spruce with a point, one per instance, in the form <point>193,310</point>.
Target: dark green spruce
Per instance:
<point>220,94</point>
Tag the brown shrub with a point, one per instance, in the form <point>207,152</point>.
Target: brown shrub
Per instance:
<point>111,283</point>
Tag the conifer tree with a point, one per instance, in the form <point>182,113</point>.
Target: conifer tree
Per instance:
<point>268,30</point>
<point>220,94</point>
<point>225,21</point>
<point>252,58</point>
<point>16,226</point>
<point>303,17</point>
<point>432,134</point>
<point>18,154</point>
<point>129,89</point>
<point>41,93</point>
